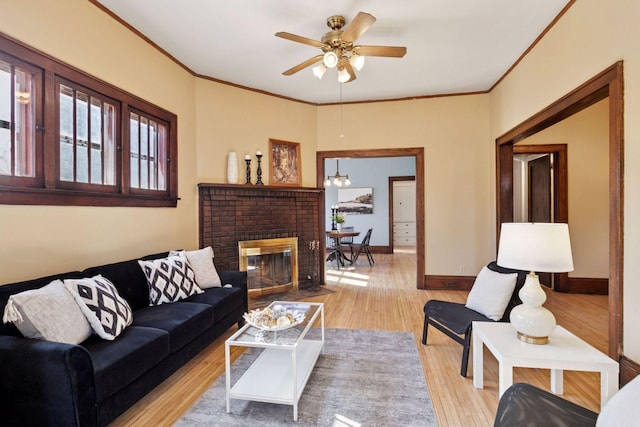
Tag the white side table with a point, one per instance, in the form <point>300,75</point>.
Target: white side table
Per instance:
<point>564,351</point>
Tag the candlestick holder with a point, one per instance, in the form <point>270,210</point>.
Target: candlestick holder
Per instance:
<point>334,212</point>
<point>248,173</point>
<point>259,170</point>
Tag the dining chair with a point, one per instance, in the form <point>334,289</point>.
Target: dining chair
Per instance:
<point>363,247</point>
<point>347,242</point>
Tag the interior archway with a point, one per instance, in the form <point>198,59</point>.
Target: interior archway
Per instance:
<point>608,83</point>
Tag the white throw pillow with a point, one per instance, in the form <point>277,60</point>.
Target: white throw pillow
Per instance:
<point>107,312</point>
<point>49,313</point>
<point>201,261</point>
<point>620,410</point>
<point>170,279</point>
<point>491,293</point>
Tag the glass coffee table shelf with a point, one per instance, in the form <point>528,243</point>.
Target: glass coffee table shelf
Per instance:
<point>280,373</point>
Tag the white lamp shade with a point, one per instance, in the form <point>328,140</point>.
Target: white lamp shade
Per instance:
<point>540,247</point>
<point>343,75</point>
<point>357,61</point>
<point>319,70</point>
<point>330,59</point>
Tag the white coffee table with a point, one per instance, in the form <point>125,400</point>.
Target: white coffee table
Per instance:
<point>564,351</point>
<point>281,371</point>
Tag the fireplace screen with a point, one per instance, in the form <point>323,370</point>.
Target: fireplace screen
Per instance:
<point>271,265</point>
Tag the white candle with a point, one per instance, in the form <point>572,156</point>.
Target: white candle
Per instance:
<point>258,153</point>
<point>247,157</point>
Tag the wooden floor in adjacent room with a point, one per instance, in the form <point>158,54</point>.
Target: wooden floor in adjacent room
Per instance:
<point>384,297</point>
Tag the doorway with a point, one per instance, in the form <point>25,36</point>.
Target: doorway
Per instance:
<point>540,193</point>
<point>402,213</point>
<point>418,154</point>
<point>609,84</point>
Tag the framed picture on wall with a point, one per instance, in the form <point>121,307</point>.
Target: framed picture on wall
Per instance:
<point>355,200</point>
<point>284,163</point>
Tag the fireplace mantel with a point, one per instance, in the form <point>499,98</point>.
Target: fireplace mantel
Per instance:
<point>231,213</point>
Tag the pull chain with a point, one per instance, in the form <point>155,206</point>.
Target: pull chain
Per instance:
<point>341,114</point>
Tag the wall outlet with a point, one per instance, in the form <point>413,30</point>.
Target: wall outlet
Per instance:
<point>450,284</point>
<point>461,269</point>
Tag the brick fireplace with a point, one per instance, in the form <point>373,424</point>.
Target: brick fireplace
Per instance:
<point>233,213</point>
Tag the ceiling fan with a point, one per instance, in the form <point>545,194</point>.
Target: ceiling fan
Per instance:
<point>339,48</point>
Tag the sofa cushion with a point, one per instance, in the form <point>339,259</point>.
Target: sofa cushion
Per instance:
<point>49,313</point>
<point>128,279</point>
<point>107,312</point>
<point>13,288</point>
<point>223,300</point>
<point>120,362</point>
<point>170,279</point>
<point>201,261</point>
<point>183,321</point>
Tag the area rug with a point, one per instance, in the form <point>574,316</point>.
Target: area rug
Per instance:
<point>364,378</point>
<point>299,295</point>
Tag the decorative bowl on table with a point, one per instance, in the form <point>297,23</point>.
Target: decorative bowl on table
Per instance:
<point>276,318</point>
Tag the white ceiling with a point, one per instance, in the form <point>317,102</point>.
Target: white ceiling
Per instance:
<point>453,46</point>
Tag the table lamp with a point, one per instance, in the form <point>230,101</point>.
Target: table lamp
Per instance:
<point>534,247</point>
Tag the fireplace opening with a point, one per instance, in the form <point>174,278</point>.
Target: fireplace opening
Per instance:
<point>271,265</point>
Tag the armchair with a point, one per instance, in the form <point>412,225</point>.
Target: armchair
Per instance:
<point>455,319</point>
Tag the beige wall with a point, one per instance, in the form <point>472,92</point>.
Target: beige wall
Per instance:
<point>458,186</point>
<point>231,119</point>
<point>590,37</point>
<point>587,137</point>
<point>39,240</point>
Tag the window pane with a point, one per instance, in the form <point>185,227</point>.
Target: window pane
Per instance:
<point>152,154</point>
<point>134,150</point>
<point>109,144</point>
<point>17,121</point>
<point>82,137</point>
<point>96,141</point>
<point>144,153</point>
<point>25,158</point>
<point>5,119</point>
<point>66,133</point>
<point>162,157</point>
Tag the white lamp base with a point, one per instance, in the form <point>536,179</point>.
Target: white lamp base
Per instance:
<point>533,322</point>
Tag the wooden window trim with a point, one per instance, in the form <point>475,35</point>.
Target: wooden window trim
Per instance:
<point>47,189</point>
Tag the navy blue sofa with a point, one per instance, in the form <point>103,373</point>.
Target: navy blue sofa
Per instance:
<point>46,383</point>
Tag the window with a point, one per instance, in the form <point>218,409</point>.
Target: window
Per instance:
<point>148,153</point>
<point>67,138</point>
<point>87,137</point>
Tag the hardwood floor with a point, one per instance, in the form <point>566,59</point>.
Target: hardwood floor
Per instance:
<point>384,297</point>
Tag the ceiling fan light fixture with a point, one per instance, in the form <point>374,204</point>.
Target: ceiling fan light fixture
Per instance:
<point>319,70</point>
<point>343,75</point>
<point>357,61</point>
<point>330,59</point>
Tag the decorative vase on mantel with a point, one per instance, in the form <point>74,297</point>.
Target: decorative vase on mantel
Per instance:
<point>232,168</point>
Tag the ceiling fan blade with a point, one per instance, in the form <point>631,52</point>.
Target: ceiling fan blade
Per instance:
<point>299,39</point>
<point>391,51</point>
<point>344,63</point>
<point>303,65</point>
<point>357,27</point>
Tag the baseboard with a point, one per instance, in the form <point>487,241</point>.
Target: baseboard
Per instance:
<point>586,285</point>
<point>456,283</point>
<point>628,370</point>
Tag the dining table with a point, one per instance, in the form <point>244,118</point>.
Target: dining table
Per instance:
<point>337,254</point>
